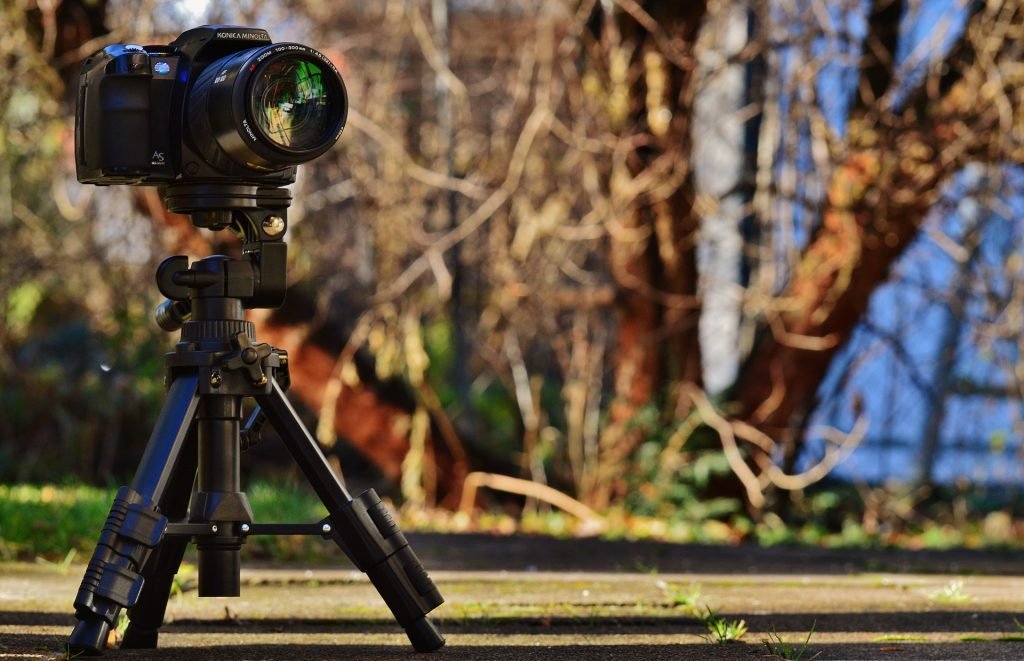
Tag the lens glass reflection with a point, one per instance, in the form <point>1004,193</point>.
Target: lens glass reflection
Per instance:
<point>293,106</point>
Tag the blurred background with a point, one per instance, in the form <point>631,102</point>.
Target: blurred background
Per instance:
<point>701,271</point>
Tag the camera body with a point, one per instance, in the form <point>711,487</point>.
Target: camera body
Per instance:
<point>219,104</point>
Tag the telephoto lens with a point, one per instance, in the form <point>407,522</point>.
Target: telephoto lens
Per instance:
<point>268,108</point>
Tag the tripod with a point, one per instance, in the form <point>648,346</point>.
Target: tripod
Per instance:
<point>199,436</point>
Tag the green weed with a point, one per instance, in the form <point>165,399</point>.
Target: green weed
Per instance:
<point>722,631</point>
<point>791,651</point>
<point>686,599</point>
<point>1010,638</point>
<point>122,625</point>
<point>953,593</point>
<point>1014,637</point>
<point>185,580</point>
<point>66,655</point>
<point>63,566</point>
<point>719,629</point>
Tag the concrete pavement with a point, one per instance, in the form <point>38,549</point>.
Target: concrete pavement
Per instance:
<point>538,598</point>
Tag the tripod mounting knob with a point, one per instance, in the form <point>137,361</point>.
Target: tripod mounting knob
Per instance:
<point>169,285</point>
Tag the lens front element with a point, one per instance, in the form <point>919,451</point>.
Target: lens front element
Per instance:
<point>291,104</point>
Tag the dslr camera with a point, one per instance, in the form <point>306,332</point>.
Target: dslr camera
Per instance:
<point>218,105</point>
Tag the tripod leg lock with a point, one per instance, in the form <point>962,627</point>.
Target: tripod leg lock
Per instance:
<point>365,530</point>
<point>112,580</point>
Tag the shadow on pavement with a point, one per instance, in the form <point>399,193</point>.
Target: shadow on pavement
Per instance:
<point>36,619</point>
<point>869,622</point>
<point>521,552</point>
<point>48,647</point>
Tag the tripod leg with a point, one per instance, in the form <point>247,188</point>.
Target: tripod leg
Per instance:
<point>134,526</point>
<point>146,617</point>
<point>364,530</point>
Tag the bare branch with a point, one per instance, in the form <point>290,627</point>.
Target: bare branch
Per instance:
<point>378,134</point>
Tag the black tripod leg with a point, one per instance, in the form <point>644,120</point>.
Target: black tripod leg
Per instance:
<point>363,528</point>
<point>134,526</point>
<point>146,617</point>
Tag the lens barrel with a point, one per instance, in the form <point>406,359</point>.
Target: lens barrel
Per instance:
<point>267,108</point>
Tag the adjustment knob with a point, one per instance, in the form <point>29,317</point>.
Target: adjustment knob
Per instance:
<point>249,358</point>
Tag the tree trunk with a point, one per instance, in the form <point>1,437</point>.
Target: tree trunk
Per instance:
<point>654,256</point>
<point>653,253</point>
<point>877,199</point>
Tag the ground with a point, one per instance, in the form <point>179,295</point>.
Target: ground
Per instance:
<point>539,598</point>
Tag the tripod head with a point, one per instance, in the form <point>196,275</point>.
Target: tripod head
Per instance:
<point>259,216</point>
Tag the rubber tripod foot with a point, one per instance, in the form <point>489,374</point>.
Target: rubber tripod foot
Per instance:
<point>89,637</point>
<point>424,636</point>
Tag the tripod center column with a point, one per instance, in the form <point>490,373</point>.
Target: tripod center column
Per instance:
<point>219,498</point>
<point>217,322</point>
<point>219,420</point>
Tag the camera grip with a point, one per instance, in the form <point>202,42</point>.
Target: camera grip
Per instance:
<point>124,125</point>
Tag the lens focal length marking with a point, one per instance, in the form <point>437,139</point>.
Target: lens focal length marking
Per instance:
<point>248,129</point>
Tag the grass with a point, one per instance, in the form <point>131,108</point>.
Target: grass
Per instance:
<point>186,579</point>
<point>1009,638</point>
<point>688,600</point>
<point>49,521</point>
<point>952,593</point>
<point>791,651</point>
<point>66,655</point>
<point>56,524</point>
<point>63,566</point>
<point>720,630</point>
<point>723,631</point>
<point>122,626</point>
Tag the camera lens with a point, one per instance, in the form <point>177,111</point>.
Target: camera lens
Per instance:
<point>267,108</point>
<point>292,105</point>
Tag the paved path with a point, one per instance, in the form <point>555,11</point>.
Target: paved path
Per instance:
<point>530,598</point>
